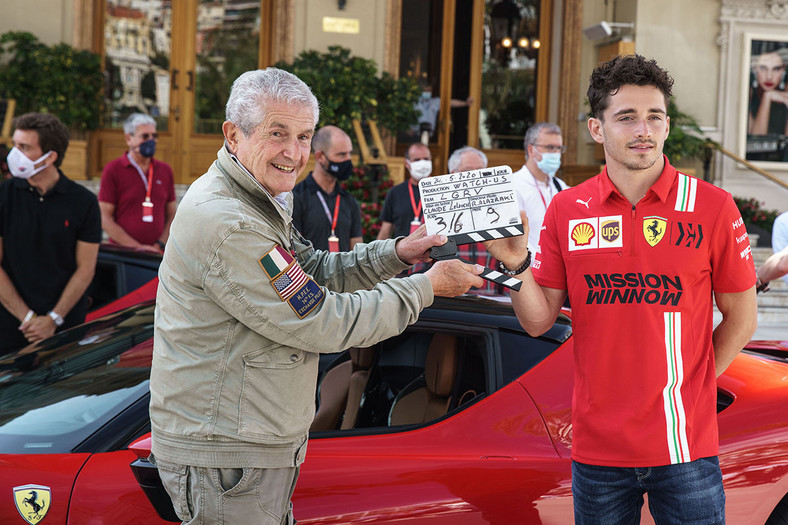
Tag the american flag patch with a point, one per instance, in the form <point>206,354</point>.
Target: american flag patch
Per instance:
<point>290,282</point>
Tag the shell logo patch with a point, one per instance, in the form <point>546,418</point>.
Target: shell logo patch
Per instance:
<point>32,502</point>
<point>582,234</point>
<point>595,233</point>
<point>654,229</point>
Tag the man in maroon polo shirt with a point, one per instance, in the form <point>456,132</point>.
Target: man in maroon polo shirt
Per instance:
<point>137,193</point>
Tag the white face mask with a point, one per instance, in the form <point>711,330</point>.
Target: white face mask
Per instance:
<point>21,166</point>
<point>420,168</point>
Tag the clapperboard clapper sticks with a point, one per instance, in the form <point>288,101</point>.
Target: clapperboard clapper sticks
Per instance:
<point>472,206</point>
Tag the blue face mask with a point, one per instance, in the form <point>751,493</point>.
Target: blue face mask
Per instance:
<point>550,163</point>
<point>148,148</point>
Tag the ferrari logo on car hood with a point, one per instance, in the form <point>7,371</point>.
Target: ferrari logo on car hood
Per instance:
<point>32,502</point>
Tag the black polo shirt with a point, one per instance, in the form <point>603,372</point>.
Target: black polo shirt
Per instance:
<point>309,216</point>
<point>40,234</point>
<point>398,210</point>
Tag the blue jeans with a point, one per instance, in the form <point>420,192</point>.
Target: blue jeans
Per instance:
<point>686,493</point>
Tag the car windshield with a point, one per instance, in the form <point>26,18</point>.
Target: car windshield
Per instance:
<point>55,394</point>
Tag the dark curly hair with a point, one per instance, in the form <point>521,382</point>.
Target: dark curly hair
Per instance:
<point>608,77</point>
<point>52,134</point>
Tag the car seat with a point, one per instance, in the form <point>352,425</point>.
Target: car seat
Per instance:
<point>342,389</point>
<point>428,396</point>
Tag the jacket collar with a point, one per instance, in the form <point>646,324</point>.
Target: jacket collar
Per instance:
<point>241,176</point>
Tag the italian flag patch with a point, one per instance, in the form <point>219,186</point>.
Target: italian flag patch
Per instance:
<point>291,283</point>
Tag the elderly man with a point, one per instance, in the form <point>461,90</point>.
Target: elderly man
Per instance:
<point>137,192</point>
<point>468,158</point>
<point>235,357</point>
<point>323,211</point>
<point>536,182</point>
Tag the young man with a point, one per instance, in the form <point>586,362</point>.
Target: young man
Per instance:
<point>50,229</point>
<point>640,249</point>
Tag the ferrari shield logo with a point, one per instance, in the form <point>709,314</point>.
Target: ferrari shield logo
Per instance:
<point>32,502</point>
<point>654,229</point>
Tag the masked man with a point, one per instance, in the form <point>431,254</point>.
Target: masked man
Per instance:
<point>535,182</point>
<point>402,213</point>
<point>323,211</point>
<point>137,193</point>
<point>50,231</point>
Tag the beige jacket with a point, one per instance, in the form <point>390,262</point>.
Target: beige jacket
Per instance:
<point>236,343</point>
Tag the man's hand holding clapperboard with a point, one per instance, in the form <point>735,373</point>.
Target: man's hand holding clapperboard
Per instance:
<point>472,206</point>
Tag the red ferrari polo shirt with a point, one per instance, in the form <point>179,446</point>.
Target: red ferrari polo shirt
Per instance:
<point>640,281</point>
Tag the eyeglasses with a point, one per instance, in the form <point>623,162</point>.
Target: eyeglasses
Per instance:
<point>552,148</point>
<point>148,136</point>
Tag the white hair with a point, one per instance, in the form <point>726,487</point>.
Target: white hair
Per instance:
<point>456,158</point>
<point>136,119</point>
<point>253,90</point>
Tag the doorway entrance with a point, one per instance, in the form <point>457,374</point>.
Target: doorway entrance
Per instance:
<point>176,62</point>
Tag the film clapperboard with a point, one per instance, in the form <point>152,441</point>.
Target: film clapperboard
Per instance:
<point>472,206</point>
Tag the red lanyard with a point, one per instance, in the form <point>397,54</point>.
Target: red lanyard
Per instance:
<point>150,181</point>
<point>416,209</point>
<point>150,175</point>
<point>336,214</point>
<point>540,191</point>
<point>328,214</point>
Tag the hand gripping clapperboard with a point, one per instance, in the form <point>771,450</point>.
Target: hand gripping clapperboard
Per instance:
<point>472,206</point>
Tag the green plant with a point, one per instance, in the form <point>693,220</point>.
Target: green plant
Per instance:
<point>360,186</point>
<point>349,88</point>
<point>686,139</point>
<point>55,79</point>
<point>507,100</point>
<point>754,215</point>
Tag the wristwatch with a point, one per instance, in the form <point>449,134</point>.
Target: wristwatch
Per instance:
<point>56,318</point>
<point>523,267</point>
<point>160,244</point>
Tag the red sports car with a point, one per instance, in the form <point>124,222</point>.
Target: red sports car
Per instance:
<point>463,418</point>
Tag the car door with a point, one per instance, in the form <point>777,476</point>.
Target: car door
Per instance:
<point>488,459</point>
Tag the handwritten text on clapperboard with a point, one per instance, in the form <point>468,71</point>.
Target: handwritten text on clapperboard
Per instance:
<point>469,201</point>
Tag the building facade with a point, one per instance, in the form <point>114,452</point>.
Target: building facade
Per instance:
<point>520,61</point>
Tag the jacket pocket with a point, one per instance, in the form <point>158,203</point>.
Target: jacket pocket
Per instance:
<point>278,394</point>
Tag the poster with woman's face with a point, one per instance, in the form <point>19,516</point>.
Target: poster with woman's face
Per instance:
<point>767,99</point>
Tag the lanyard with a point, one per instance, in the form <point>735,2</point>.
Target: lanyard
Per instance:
<point>147,182</point>
<point>541,196</point>
<point>416,209</point>
<point>328,213</point>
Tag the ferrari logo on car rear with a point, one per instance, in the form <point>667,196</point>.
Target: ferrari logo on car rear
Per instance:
<point>32,502</point>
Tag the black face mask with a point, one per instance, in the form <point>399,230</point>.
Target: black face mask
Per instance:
<point>340,170</point>
<point>148,148</point>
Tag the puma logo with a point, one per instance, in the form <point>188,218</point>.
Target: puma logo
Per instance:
<point>584,203</point>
